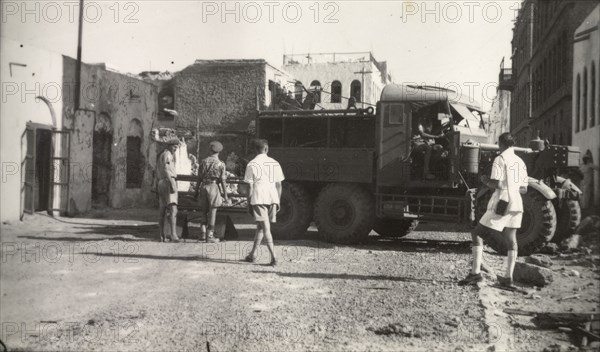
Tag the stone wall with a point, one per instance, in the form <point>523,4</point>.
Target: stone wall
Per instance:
<point>218,99</point>
<point>127,102</point>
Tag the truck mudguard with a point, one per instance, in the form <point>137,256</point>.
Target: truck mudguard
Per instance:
<point>538,185</point>
<point>541,187</point>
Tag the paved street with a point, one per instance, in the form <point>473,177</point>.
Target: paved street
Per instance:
<point>97,284</point>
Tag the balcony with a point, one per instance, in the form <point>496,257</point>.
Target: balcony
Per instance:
<point>506,79</point>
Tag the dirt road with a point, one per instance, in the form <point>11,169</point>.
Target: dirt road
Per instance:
<point>99,284</point>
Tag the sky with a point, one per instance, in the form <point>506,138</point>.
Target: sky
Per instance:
<point>455,44</point>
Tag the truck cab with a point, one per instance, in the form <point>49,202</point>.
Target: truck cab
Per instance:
<point>400,112</point>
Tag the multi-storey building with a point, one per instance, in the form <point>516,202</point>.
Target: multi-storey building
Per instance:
<point>586,93</point>
<point>542,61</point>
<point>336,77</point>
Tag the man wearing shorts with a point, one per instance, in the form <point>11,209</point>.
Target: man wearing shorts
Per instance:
<point>167,189</point>
<point>211,176</point>
<point>264,175</point>
<point>508,180</point>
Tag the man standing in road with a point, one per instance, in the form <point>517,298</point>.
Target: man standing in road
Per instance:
<point>167,189</point>
<point>504,210</point>
<point>587,183</point>
<point>211,176</point>
<point>264,175</point>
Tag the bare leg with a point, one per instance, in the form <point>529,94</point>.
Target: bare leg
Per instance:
<point>511,258</point>
<point>257,239</point>
<point>212,219</point>
<point>269,238</point>
<point>161,223</point>
<point>173,221</point>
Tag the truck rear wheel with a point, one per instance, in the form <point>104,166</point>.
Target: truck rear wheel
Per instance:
<point>295,214</point>
<point>344,213</point>
<point>537,227</point>
<point>569,217</point>
<point>395,227</point>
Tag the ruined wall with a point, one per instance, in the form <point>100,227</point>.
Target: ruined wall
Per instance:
<point>223,96</point>
<point>123,99</point>
<point>27,72</point>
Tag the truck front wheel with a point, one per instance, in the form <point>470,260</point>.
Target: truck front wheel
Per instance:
<point>569,215</point>
<point>344,213</point>
<point>537,227</point>
<point>296,212</point>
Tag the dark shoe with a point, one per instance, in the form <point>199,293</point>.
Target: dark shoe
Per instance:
<point>211,239</point>
<point>471,279</point>
<point>486,269</point>
<point>505,282</point>
<point>250,259</point>
<point>273,262</point>
<point>202,237</point>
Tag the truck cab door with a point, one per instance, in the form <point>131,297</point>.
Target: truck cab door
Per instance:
<point>393,137</point>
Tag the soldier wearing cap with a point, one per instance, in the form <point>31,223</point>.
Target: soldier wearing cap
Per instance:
<point>211,176</point>
<point>167,188</point>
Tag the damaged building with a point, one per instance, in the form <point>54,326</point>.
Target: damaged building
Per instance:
<point>218,99</point>
<point>65,160</point>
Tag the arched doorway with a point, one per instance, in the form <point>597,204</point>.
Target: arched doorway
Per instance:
<point>102,161</point>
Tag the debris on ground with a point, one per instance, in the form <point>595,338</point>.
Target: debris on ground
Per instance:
<point>585,327</point>
<point>533,275</point>
<point>540,260</point>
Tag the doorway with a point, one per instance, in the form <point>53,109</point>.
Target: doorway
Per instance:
<point>101,161</point>
<point>43,148</point>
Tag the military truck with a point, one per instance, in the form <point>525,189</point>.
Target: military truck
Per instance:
<point>352,171</point>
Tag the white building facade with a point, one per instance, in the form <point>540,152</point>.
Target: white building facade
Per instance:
<point>586,96</point>
<point>335,77</point>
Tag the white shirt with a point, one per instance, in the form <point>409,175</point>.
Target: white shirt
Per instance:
<point>263,173</point>
<point>511,173</point>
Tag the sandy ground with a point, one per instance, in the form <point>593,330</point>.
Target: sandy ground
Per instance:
<point>103,282</point>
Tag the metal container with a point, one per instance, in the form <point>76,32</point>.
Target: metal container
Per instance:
<point>469,160</point>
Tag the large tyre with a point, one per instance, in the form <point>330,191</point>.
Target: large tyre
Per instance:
<point>569,217</point>
<point>344,213</point>
<point>394,227</point>
<point>537,228</point>
<point>295,214</point>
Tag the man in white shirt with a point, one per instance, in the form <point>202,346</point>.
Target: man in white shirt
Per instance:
<point>508,180</point>
<point>264,175</point>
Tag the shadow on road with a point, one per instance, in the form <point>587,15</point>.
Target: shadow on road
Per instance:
<point>196,258</point>
<point>327,276</point>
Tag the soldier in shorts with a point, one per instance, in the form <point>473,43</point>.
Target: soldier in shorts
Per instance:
<point>211,176</point>
<point>167,189</point>
<point>508,180</point>
<point>264,175</point>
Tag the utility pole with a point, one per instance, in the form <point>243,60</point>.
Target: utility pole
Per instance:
<point>78,64</point>
<point>362,74</point>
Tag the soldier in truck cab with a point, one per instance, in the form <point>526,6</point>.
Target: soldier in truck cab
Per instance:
<point>423,142</point>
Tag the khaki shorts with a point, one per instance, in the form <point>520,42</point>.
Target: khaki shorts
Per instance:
<point>210,196</point>
<point>263,212</point>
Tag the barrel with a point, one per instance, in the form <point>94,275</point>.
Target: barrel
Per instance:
<point>469,162</point>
